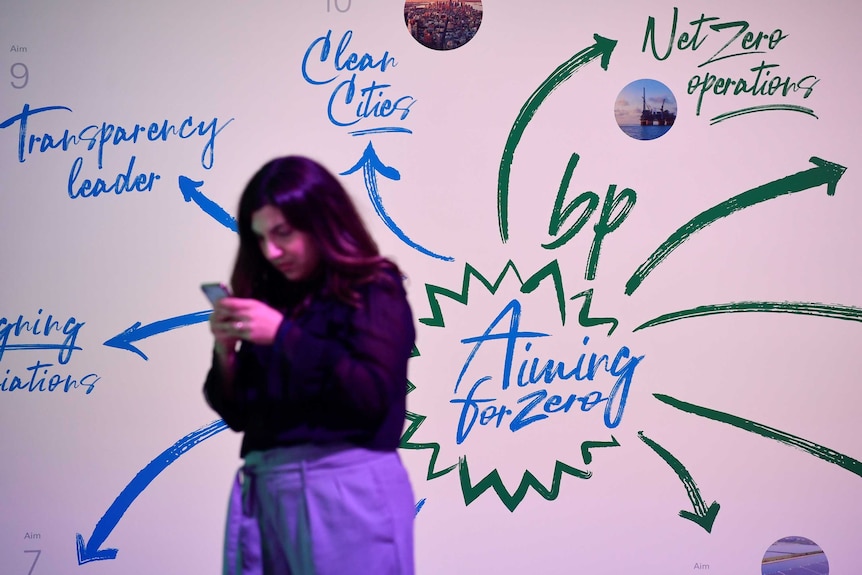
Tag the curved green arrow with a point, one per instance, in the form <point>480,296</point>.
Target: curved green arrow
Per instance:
<point>844,312</point>
<point>824,453</point>
<point>704,515</point>
<point>823,173</point>
<point>602,48</point>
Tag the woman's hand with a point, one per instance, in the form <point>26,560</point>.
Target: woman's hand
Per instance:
<point>235,319</point>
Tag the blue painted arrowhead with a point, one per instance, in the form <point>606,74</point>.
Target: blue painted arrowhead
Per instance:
<point>85,554</point>
<point>191,193</point>
<point>371,166</point>
<point>371,162</point>
<point>137,332</point>
<point>89,550</point>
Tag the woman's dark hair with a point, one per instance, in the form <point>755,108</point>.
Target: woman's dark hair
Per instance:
<point>312,201</point>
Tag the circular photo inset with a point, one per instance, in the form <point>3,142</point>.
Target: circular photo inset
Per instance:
<point>443,25</point>
<point>645,109</point>
<point>794,555</point>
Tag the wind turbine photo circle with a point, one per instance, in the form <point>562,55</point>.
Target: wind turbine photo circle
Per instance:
<point>443,25</point>
<point>645,109</point>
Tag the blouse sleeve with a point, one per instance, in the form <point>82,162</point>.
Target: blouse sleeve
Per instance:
<point>351,362</point>
<point>231,406</point>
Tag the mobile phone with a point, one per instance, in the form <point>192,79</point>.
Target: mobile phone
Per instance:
<point>215,291</point>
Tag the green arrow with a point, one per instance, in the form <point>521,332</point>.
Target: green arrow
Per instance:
<point>830,311</point>
<point>823,173</point>
<point>824,453</point>
<point>602,48</point>
<point>704,515</point>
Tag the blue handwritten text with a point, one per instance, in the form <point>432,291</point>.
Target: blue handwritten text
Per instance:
<point>351,102</point>
<point>40,326</point>
<point>540,404</point>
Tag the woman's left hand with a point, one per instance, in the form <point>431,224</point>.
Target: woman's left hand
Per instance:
<point>250,319</point>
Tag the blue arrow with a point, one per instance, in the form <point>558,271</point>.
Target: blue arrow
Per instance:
<point>137,332</point>
<point>89,551</point>
<point>191,193</point>
<point>371,164</point>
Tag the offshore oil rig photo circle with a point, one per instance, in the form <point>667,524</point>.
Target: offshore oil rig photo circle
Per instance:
<point>645,109</point>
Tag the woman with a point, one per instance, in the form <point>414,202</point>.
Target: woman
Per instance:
<point>310,363</point>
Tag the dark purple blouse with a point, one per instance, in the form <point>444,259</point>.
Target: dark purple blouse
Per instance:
<point>333,374</point>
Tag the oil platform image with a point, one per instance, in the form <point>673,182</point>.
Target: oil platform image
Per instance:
<point>651,117</point>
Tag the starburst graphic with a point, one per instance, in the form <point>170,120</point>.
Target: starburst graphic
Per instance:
<point>472,489</point>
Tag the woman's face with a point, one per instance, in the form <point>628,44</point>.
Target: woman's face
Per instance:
<point>290,251</point>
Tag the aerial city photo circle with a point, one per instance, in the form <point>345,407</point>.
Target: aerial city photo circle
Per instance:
<point>645,109</point>
<point>443,25</point>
